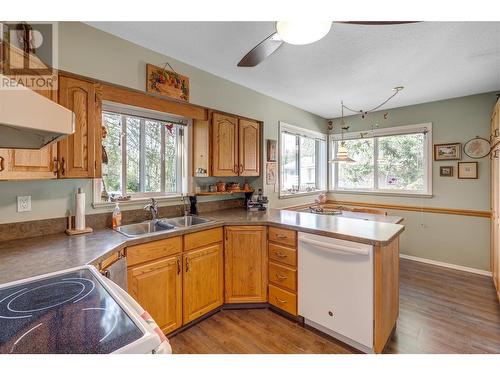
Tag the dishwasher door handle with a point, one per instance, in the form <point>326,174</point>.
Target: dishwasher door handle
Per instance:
<point>335,248</point>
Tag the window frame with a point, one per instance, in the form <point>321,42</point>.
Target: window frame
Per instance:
<point>425,128</point>
<point>182,154</point>
<point>320,164</point>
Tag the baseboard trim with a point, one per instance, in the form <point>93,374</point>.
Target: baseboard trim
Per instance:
<point>447,265</point>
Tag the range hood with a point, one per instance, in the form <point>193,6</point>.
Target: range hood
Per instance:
<point>31,121</point>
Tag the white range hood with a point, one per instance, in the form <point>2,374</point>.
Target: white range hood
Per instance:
<point>29,120</point>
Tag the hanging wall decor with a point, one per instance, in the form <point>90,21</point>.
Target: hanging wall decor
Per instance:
<point>448,151</point>
<point>271,173</point>
<point>467,170</point>
<point>477,148</point>
<point>167,82</point>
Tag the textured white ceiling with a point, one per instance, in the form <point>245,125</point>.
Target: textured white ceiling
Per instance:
<point>357,64</point>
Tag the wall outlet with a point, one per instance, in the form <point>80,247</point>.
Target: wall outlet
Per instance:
<point>24,203</point>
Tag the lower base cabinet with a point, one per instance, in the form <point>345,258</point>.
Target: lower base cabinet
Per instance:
<point>157,287</point>
<point>245,264</point>
<point>203,282</point>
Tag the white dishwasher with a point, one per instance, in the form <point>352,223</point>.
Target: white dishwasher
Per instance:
<point>335,288</point>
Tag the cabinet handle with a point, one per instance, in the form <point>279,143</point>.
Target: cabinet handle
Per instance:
<point>281,277</point>
<point>279,300</point>
<point>496,132</point>
<point>281,236</point>
<point>280,254</point>
<point>178,265</point>
<point>56,166</point>
<point>62,167</point>
<point>1,163</point>
<point>187,264</point>
<point>241,169</point>
<point>235,168</point>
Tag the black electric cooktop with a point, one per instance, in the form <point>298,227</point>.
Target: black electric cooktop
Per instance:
<point>68,313</point>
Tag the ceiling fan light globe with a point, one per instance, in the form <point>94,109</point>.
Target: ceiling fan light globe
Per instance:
<point>302,32</point>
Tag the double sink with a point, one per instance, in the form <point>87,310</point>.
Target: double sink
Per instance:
<point>161,225</point>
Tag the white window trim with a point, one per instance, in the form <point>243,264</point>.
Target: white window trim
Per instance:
<point>296,130</point>
<point>182,153</point>
<point>396,130</point>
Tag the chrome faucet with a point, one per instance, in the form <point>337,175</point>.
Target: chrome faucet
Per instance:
<point>153,208</point>
<point>185,205</point>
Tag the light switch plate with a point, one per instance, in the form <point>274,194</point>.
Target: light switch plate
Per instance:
<point>24,203</point>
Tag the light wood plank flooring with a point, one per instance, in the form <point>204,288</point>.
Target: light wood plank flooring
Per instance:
<point>441,311</point>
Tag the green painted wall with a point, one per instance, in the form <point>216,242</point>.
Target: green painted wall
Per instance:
<point>452,239</point>
<point>94,53</point>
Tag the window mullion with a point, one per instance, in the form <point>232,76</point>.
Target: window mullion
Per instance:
<point>162,157</point>
<point>124,155</point>
<point>297,165</point>
<point>142,156</point>
<point>375,163</point>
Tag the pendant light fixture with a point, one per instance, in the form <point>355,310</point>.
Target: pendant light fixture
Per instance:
<point>342,156</point>
<point>302,32</point>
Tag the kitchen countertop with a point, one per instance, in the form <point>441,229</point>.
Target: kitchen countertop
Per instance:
<point>34,256</point>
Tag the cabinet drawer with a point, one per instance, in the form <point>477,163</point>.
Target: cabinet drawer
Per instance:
<point>199,239</point>
<point>283,300</point>
<point>283,236</point>
<point>283,276</point>
<point>283,254</point>
<point>153,250</point>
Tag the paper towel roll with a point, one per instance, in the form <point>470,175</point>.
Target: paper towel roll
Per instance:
<point>80,210</point>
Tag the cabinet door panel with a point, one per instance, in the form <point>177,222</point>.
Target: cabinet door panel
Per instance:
<point>157,287</point>
<point>249,148</point>
<point>77,152</point>
<point>224,145</point>
<point>203,281</point>
<point>245,264</point>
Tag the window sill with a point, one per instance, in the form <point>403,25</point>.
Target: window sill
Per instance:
<point>138,201</point>
<point>301,194</point>
<point>384,193</point>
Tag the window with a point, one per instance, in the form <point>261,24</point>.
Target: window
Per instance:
<point>145,152</point>
<point>302,160</point>
<point>391,160</point>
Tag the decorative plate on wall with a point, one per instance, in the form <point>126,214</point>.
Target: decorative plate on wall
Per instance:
<point>477,148</point>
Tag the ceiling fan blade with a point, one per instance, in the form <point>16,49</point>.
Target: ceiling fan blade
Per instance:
<point>376,23</point>
<point>261,51</point>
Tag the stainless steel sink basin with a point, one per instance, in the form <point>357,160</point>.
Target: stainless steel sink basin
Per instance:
<point>146,227</point>
<point>187,221</point>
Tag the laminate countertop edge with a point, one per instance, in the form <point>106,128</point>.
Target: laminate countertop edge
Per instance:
<point>29,257</point>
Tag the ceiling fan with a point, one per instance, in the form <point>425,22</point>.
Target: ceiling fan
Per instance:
<point>299,33</point>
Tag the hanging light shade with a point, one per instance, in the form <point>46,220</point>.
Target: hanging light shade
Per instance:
<point>342,156</point>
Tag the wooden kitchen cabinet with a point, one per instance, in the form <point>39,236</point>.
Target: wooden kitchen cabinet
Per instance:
<point>224,145</point>
<point>21,164</point>
<point>203,281</point>
<point>245,261</point>
<point>249,148</point>
<point>495,200</point>
<point>79,152</point>
<point>157,287</point>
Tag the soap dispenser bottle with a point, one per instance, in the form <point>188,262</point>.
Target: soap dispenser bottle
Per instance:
<point>117,216</point>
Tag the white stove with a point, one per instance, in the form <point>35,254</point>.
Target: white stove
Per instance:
<point>72,311</point>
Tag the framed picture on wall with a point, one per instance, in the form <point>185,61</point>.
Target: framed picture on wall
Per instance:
<point>448,151</point>
<point>271,150</point>
<point>467,170</point>
<point>446,171</point>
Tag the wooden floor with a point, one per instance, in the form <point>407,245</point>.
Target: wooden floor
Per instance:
<point>441,311</point>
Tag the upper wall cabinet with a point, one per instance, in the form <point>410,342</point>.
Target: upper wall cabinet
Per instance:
<point>226,145</point>
<point>249,148</point>
<point>79,153</point>
<point>19,164</point>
